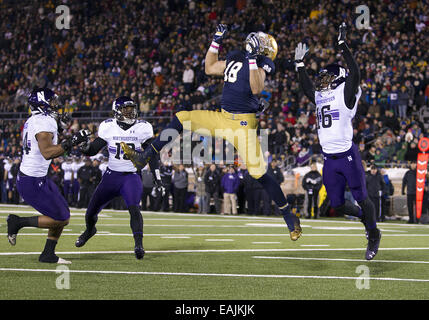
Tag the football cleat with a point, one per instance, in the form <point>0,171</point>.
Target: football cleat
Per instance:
<point>52,258</point>
<point>84,237</point>
<point>139,252</point>
<point>12,228</point>
<point>139,159</point>
<point>374,237</point>
<point>297,232</point>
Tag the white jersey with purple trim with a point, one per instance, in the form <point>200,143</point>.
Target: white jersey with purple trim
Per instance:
<point>134,136</point>
<point>33,163</point>
<point>67,168</point>
<point>334,120</point>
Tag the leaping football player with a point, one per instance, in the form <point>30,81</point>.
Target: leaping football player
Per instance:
<point>244,73</point>
<point>40,135</point>
<point>121,177</point>
<point>336,97</point>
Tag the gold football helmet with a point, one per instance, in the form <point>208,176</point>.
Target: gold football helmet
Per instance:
<point>268,45</point>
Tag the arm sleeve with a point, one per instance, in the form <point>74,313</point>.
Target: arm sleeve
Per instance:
<point>154,167</point>
<point>306,84</point>
<point>353,79</point>
<point>95,146</point>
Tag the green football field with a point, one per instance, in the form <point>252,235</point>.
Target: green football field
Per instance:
<point>206,257</point>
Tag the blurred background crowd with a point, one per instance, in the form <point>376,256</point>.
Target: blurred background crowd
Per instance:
<point>154,52</point>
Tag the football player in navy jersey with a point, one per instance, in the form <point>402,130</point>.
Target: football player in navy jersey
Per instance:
<point>244,73</point>
<point>121,177</point>
<point>336,95</point>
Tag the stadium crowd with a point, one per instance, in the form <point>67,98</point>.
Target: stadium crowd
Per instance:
<point>111,50</point>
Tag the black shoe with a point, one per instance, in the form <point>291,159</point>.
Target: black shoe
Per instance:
<point>52,258</point>
<point>139,252</point>
<point>374,237</point>
<point>84,237</point>
<point>12,228</point>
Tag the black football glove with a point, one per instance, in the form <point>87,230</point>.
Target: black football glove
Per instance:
<point>76,139</point>
<point>158,189</point>
<point>252,45</point>
<point>80,137</point>
<point>64,119</point>
<point>342,33</point>
<point>220,34</point>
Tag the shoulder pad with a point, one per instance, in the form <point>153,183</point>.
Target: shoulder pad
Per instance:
<point>108,120</point>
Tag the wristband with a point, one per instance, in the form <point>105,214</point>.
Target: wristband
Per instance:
<point>299,64</point>
<point>252,64</point>
<point>214,47</point>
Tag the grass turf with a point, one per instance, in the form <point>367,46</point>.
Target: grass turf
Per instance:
<point>205,257</point>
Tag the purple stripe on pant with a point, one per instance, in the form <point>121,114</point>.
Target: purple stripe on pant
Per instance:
<point>113,184</point>
<point>341,169</point>
<point>44,196</point>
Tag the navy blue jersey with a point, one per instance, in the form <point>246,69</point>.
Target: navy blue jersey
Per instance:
<point>237,96</point>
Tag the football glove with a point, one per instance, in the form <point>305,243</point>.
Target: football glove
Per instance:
<point>300,52</point>
<point>252,45</point>
<point>158,189</point>
<point>80,137</point>
<point>342,33</point>
<point>76,139</point>
<point>220,34</point>
<point>64,120</point>
<point>263,105</point>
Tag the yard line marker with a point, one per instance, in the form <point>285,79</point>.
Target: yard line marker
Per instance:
<point>315,245</point>
<point>345,260</point>
<point>274,242</point>
<point>215,251</point>
<point>196,274</point>
<point>213,240</point>
<point>176,237</point>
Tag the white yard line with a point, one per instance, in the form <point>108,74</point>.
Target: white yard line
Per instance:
<point>342,260</point>
<point>315,245</point>
<point>215,251</point>
<point>274,242</point>
<point>195,274</point>
<point>227,234</point>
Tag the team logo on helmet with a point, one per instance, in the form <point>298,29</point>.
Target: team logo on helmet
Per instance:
<point>44,100</point>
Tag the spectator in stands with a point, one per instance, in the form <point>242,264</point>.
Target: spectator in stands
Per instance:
<point>230,182</point>
<point>180,183</point>
<point>212,184</point>
<point>84,175</point>
<point>200,190</point>
<point>311,183</point>
<point>409,182</point>
<point>375,187</point>
<point>388,191</point>
<point>148,185</point>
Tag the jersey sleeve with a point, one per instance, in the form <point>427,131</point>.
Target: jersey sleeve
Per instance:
<point>103,129</point>
<point>145,131</point>
<point>47,125</point>
<point>266,63</point>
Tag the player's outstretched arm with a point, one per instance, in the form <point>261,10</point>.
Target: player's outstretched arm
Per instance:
<point>353,79</point>
<point>92,148</point>
<point>214,66</point>
<point>304,80</point>
<point>256,74</point>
